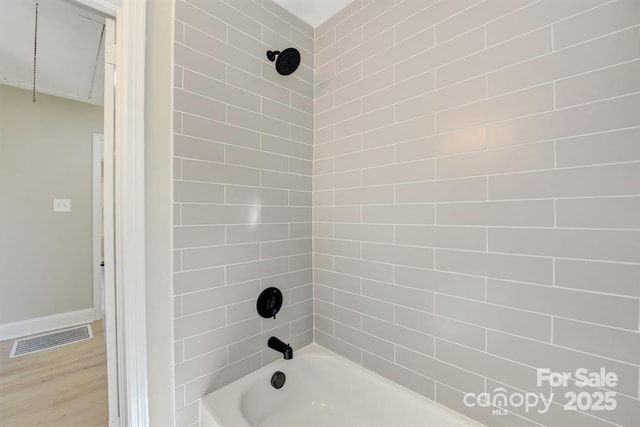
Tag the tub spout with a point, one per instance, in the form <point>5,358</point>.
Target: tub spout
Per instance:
<point>283,348</point>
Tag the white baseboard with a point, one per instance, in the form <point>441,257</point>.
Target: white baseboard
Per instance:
<point>39,325</point>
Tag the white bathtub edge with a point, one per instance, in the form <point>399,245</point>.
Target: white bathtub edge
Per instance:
<point>208,419</point>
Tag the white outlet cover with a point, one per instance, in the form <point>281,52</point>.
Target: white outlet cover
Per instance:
<point>62,205</point>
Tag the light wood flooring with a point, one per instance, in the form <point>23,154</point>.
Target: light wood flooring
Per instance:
<point>61,387</point>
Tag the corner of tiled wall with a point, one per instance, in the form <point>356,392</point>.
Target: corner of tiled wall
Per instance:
<point>242,184</point>
<point>477,196</point>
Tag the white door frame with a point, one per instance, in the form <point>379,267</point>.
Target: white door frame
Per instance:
<point>115,382</point>
<point>129,201</point>
<point>97,224</point>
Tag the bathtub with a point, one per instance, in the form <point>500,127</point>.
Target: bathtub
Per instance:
<point>322,389</point>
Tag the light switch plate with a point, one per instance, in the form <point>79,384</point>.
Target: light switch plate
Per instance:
<point>62,205</point>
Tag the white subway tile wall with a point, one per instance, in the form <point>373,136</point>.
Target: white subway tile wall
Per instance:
<point>477,197</point>
<point>475,167</point>
<point>242,191</point>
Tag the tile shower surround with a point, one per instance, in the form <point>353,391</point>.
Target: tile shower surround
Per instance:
<point>476,195</point>
<point>242,192</point>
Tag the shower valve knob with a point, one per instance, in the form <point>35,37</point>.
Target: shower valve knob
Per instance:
<point>269,302</point>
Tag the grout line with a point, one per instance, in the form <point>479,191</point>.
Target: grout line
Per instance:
<point>363,243</point>
<point>448,272</point>
<point>598,101</point>
<point>261,26</point>
<point>479,101</point>
<point>486,303</point>
<point>434,356</point>
<point>484,34</point>
<point>234,67</point>
<point>486,239</point>
<point>563,138</point>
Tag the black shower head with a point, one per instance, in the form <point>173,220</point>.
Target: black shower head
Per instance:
<point>287,62</point>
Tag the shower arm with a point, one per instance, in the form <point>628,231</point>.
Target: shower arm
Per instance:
<point>271,55</point>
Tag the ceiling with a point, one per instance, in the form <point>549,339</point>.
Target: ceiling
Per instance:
<point>313,12</point>
<point>70,49</point>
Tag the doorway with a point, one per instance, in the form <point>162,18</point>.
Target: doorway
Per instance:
<point>47,264</point>
<point>98,224</point>
<point>47,307</point>
<point>129,218</point>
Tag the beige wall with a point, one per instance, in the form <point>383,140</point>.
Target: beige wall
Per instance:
<point>477,196</point>
<point>45,153</point>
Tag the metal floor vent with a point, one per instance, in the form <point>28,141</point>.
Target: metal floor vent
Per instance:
<point>49,340</point>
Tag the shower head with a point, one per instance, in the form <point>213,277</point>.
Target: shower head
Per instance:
<point>287,62</point>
